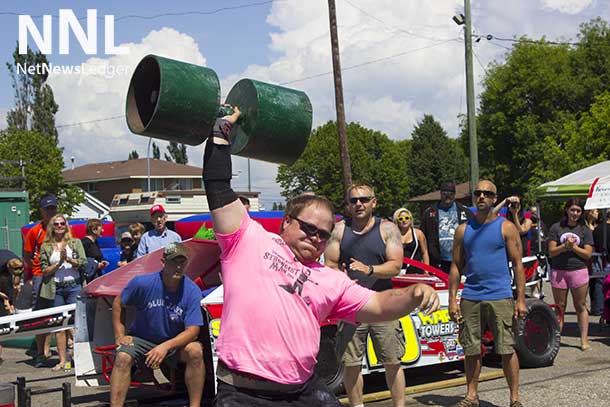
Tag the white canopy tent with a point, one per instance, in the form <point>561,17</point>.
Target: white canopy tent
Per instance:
<point>576,184</point>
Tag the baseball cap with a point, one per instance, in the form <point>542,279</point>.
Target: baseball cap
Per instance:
<point>126,235</point>
<point>48,200</point>
<point>174,250</point>
<point>156,208</point>
<point>448,186</point>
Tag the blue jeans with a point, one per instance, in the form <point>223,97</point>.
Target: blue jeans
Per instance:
<point>595,289</point>
<point>66,295</point>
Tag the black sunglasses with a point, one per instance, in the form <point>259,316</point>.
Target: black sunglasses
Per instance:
<point>487,194</point>
<point>311,231</point>
<point>363,199</point>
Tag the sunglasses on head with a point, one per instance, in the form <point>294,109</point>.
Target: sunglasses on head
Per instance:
<point>363,199</point>
<point>487,194</point>
<point>403,218</point>
<point>17,270</point>
<point>311,231</point>
<point>59,223</point>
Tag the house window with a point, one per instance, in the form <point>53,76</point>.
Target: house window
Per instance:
<point>156,184</point>
<point>91,187</point>
<point>186,183</point>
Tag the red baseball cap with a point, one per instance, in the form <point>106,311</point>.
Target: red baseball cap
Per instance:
<point>156,208</point>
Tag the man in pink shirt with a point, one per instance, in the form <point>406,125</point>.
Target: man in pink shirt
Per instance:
<point>276,294</point>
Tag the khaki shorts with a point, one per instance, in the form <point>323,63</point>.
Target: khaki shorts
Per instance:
<point>497,316</point>
<point>140,347</point>
<point>388,342</point>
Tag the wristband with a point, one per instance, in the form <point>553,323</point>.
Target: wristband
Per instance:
<point>371,269</point>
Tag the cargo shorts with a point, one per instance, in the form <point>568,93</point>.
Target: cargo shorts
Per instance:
<point>388,341</point>
<point>497,315</point>
<point>140,347</point>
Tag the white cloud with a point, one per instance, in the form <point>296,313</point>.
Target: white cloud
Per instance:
<point>400,60</point>
<point>392,117</point>
<point>567,6</point>
<point>3,113</point>
<point>84,98</point>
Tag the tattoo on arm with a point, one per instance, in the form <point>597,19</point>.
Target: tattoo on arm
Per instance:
<point>392,234</point>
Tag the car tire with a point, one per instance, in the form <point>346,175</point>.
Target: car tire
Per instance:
<point>330,367</point>
<point>538,339</point>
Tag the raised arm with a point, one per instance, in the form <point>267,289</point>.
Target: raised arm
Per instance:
<point>226,209</point>
<point>499,206</point>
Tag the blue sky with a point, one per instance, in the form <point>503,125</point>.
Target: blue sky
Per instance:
<point>401,59</point>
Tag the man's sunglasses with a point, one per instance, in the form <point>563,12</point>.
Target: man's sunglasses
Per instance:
<point>311,231</point>
<point>403,218</point>
<point>487,194</point>
<point>363,199</point>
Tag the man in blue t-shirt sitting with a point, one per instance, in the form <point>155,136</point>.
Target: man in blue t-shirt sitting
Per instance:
<point>165,328</point>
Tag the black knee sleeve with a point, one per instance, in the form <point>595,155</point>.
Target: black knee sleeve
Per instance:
<point>217,173</point>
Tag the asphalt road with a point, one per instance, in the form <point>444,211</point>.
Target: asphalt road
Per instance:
<point>576,379</point>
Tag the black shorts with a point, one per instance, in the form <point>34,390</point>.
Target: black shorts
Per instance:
<point>313,393</point>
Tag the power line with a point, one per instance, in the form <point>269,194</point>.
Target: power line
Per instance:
<point>89,121</point>
<point>490,37</point>
<point>479,61</point>
<point>373,61</point>
<point>169,14</point>
<point>394,28</point>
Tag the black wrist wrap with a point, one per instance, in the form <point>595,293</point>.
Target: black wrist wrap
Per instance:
<point>217,173</point>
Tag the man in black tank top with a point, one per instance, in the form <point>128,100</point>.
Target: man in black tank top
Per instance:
<point>369,249</point>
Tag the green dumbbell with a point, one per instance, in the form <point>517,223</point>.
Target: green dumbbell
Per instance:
<point>179,102</point>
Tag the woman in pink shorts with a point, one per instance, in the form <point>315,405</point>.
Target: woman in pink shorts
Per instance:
<point>570,247</point>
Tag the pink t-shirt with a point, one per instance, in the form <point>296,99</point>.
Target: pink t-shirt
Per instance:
<point>273,305</point>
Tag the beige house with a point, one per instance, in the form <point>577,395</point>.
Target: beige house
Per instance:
<point>104,180</point>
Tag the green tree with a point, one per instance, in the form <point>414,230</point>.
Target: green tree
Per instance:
<point>374,158</point>
<point>177,153</point>
<point>133,155</point>
<point>542,110</point>
<point>35,105</point>
<point>156,151</point>
<point>31,135</point>
<point>43,168</point>
<point>434,158</point>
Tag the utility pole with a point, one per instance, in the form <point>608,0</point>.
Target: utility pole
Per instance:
<point>472,122</point>
<point>340,107</point>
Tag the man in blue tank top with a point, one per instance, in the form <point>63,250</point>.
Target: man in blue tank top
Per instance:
<point>481,250</point>
<point>369,249</point>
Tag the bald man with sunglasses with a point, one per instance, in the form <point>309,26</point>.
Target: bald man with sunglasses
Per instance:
<point>481,250</point>
<point>370,250</point>
<point>276,295</point>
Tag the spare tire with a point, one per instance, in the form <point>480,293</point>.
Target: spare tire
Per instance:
<point>330,367</point>
<point>538,339</point>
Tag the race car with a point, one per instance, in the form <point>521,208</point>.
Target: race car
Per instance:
<point>430,339</point>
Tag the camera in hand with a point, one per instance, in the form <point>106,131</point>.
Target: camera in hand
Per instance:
<point>512,204</point>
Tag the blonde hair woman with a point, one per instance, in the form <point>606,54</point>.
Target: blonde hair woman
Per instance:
<point>414,242</point>
<point>62,259</point>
